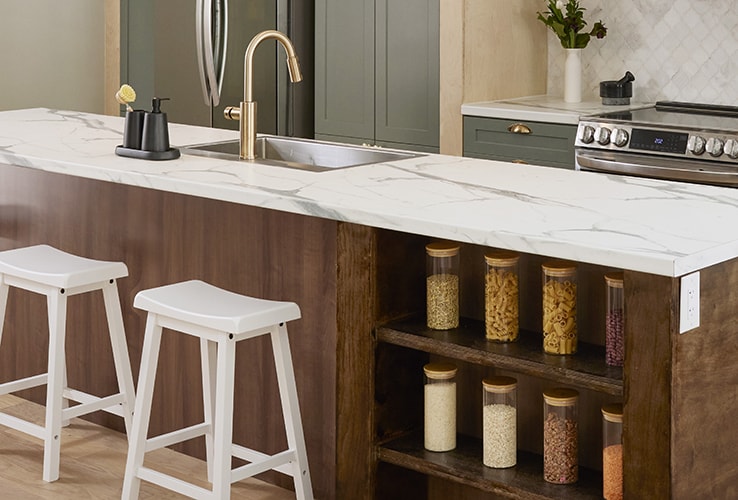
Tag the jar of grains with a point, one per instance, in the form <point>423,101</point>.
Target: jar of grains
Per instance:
<point>614,320</point>
<point>442,285</point>
<point>499,421</point>
<point>560,436</point>
<point>501,291</point>
<point>559,307</point>
<point>440,406</point>
<point>612,451</point>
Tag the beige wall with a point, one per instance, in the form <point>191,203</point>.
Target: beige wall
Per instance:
<point>53,54</point>
<point>490,49</point>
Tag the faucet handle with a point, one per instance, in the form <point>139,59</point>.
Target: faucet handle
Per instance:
<point>232,113</point>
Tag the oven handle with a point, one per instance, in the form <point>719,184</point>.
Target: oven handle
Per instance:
<point>674,169</point>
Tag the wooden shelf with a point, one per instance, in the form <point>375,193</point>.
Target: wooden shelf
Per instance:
<point>464,465</point>
<point>586,368</point>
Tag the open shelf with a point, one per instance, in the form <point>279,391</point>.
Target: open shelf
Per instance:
<point>464,465</point>
<point>586,368</point>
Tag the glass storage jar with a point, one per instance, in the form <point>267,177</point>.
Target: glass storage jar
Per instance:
<point>501,294</point>
<point>612,451</point>
<point>499,422</point>
<point>560,436</point>
<point>442,285</point>
<point>440,406</point>
<point>559,307</point>
<point>614,320</point>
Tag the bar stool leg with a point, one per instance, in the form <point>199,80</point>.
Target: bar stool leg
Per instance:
<point>291,410</point>
<point>223,418</point>
<point>208,361</point>
<point>120,351</point>
<point>3,304</point>
<point>57,307</point>
<point>142,411</point>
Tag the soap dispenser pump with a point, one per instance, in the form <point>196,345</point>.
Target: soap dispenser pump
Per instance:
<point>155,129</point>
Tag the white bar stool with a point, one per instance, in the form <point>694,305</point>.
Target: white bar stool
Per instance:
<point>45,270</point>
<point>219,318</point>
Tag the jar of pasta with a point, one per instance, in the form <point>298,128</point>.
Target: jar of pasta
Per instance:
<point>501,292</point>
<point>559,307</point>
<point>442,285</point>
<point>560,436</point>
<point>614,320</point>
<point>612,451</point>
<point>499,422</point>
<point>440,406</point>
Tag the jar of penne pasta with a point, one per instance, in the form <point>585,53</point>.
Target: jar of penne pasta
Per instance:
<point>559,307</point>
<point>501,293</point>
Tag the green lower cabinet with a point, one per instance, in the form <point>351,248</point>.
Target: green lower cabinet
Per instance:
<point>536,143</point>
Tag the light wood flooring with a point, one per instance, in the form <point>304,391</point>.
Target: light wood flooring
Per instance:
<point>92,464</point>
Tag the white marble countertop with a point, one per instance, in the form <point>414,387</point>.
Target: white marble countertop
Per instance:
<point>653,226</point>
<point>542,108</point>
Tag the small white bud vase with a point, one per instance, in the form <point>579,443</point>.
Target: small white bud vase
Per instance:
<point>573,75</point>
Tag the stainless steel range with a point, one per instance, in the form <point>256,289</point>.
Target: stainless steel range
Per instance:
<point>670,140</point>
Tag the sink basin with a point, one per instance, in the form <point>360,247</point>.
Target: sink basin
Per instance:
<point>304,154</point>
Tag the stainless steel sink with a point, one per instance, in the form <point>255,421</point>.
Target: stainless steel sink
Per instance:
<point>305,154</point>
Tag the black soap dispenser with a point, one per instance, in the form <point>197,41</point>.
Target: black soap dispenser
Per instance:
<point>154,138</point>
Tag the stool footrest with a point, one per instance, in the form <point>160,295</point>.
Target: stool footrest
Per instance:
<point>261,462</point>
<point>90,403</point>
<point>177,436</point>
<point>21,425</point>
<point>174,484</point>
<point>23,383</point>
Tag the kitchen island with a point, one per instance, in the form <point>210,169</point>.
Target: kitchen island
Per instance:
<point>347,245</point>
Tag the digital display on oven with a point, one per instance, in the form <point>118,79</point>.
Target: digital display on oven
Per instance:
<point>659,140</point>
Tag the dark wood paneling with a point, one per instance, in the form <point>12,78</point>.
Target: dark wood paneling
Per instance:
<point>164,238</point>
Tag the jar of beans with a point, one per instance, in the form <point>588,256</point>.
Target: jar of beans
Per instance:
<point>560,436</point>
<point>559,307</point>
<point>440,406</point>
<point>501,292</point>
<point>499,422</point>
<point>614,319</point>
<point>612,451</point>
<point>442,285</point>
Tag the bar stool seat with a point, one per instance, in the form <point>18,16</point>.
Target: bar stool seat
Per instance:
<point>57,275</point>
<point>219,318</point>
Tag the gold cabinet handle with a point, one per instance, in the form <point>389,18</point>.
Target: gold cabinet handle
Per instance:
<point>522,162</point>
<point>518,128</point>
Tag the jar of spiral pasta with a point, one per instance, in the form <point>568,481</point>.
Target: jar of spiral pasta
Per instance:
<point>560,436</point>
<point>442,285</point>
<point>499,422</point>
<point>440,406</point>
<point>559,307</point>
<point>501,292</point>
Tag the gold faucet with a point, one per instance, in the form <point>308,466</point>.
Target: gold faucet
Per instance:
<point>246,113</point>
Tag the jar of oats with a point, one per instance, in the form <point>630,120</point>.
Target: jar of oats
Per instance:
<point>440,406</point>
<point>499,422</point>
<point>501,296</point>
<point>612,451</point>
<point>442,285</point>
<point>559,307</point>
<point>560,436</point>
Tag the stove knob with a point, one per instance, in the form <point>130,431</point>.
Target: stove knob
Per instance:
<point>731,148</point>
<point>602,134</point>
<point>714,146</point>
<point>696,144</point>
<point>619,137</point>
<point>587,134</point>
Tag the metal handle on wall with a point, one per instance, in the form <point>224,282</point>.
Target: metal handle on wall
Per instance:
<point>221,39</point>
<point>518,128</point>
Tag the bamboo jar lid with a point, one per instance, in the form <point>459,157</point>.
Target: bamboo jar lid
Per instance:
<point>614,279</point>
<point>442,249</point>
<point>499,384</point>
<point>559,268</point>
<point>560,396</point>
<point>501,258</point>
<point>613,412</point>
<point>440,371</point>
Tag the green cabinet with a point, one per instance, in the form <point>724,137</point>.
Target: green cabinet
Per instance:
<point>537,143</point>
<point>377,72</point>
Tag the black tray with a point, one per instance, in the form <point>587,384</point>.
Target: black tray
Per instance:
<point>169,154</point>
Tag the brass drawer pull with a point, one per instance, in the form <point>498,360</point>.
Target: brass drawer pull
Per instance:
<point>518,128</point>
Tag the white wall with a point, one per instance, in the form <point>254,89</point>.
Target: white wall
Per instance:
<point>51,54</point>
<point>682,50</point>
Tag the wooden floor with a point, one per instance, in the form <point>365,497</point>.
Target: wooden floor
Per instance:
<point>92,464</point>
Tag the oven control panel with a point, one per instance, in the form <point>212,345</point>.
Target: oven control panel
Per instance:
<point>628,137</point>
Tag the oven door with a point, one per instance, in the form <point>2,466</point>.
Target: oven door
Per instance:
<point>658,167</point>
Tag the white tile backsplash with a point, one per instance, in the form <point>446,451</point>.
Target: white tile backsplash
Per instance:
<point>681,50</point>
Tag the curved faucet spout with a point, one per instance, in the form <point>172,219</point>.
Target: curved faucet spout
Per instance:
<point>248,63</point>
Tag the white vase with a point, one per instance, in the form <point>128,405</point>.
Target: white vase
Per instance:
<point>573,75</point>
